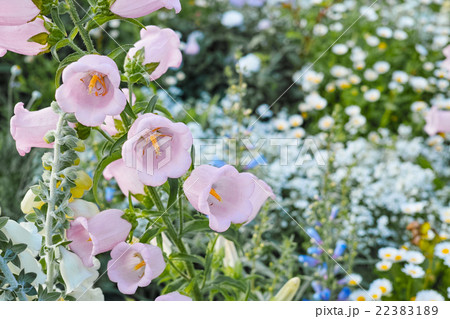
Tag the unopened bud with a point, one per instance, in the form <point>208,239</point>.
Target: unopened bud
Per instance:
<point>288,291</point>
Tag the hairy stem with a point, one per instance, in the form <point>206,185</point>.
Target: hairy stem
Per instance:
<point>48,228</point>
<point>11,279</point>
<point>76,20</point>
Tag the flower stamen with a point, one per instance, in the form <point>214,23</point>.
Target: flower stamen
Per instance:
<point>140,265</point>
<point>215,195</point>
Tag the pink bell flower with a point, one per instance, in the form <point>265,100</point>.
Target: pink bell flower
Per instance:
<point>438,121</point>
<point>140,8</point>
<point>161,45</point>
<point>173,296</point>
<point>225,195</point>
<point>91,90</point>
<point>126,177</point>
<point>157,149</point>
<point>17,12</point>
<point>15,38</point>
<point>28,129</point>
<point>97,235</point>
<point>134,266</point>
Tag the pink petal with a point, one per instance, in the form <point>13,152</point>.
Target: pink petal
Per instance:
<point>140,8</point>
<point>15,38</point>
<point>17,12</point>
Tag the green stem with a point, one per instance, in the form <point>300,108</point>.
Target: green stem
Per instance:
<point>75,47</point>
<point>76,20</point>
<point>180,215</point>
<point>11,279</point>
<point>109,138</point>
<point>172,234</point>
<point>48,227</point>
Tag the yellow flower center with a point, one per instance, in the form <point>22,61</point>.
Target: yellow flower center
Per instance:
<point>140,265</point>
<point>384,267</point>
<point>97,84</point>
<point>215,195</point>
<point>445,251</point>
<point>398,257</point>
<point>360,298</point>
<point>383,289</point>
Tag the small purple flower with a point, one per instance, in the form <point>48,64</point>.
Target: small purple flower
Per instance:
<point>314,235</point>
<point>344,293</point>
<point>341,246</point>
<point>334,212</point>
<point>325,294</point>
<point>308,260</point>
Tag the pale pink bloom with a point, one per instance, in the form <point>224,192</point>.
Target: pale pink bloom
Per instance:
<point>446,63</point>
<point>259,196</point>
<point>29,128</point>
<point>438,121</point>
<point>109,125</point>
<point>192,47</point>
<point>126,177</point>
<point>17,12</point>
<point>225,195</point>
<point>134,266</point>
<point>15,38</point>
<point>91,90</point>
<point>173,296</point>
<point>157,149</point>
<point>161,45</point>
<point>140,8</point>
<point>97,235</point>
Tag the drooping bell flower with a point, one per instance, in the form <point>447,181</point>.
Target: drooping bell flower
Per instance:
<point>28,129</point>
<point>157,149</point>
<point>341,246</point>
<point>259,196</point>
<point>222,194</point>
<point>313,250</point>
<point>17,12</point>
<point>325,294</point>
<point>334,213</point>
<point>29,202</point>
<point>83,208</point>
<point>344,294</point>
<point>314,235</point>
<point>134,266</point>
<point>438,121</point>
<point>15,38</point>
<point>97,234</point>
<point>127,178</point>
<point>160,46</point>
<point>173,296</point>
<point>90,90</point>
<point>140,8</point>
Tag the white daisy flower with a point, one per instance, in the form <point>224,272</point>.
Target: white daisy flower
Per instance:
<point>339,49</point>
<point>375,294</point>
<point>359,295</point>
<point>387,253</point>
<point>316,101</point>
<point>352,110</point>
<point>382,284</point>
<point>295,120</point>
<point>429,295</point>
<point>382,67</point>
<point>400,77</point>
<point>339,71</point>
<point>370,75</point>
<point>326,123</point>
<point>372,95</point>
<point>419,106</point>
<point>413,270</point>
<point>281,124</point>
<point>299,132</point>
<point>414,257</point>
<point>445,215</point>
<point>383,265</point>
<point>353,279</point>
<point>384,32</point>
<point>354,79</point>
<point>320,30</point>
<point>442,250</point>
<point>400,35</point>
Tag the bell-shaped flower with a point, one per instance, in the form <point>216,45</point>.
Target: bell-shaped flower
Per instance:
<point>29,202</point>
<point>29,264</point>
<point>15,38</point>
<point>223,194</point>
<point>126,177</point>
<point>438,121</point>
<point>74,272</point>
<point>173,296</point>
<point>23,233</point>
<point>83,208</point>
<point>134,266</point>
<point>259,196</point>
<point>97,235</point>
<point>158,149</point>
<point>160,46</point>
<point>83,183</point>
<point>17,12</point>
<point>140,8</point>
<point>91,90</point>
<point>28,129</point>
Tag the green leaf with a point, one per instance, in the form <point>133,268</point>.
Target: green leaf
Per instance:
<point>41,38</point>
<point>151,67</point>
<point>17,249</point>
<point>197,225</point>
<point>3,221</point>
<point>56,18</point>
<point>3,237</point>
<point>135,22</point>
<point>151,233</point>
<point>83,132</point>
<point>187,257</point>
<point>99,170</point>
<point>173,184</point>
<point>151,104</point>
<point>118,143</point>
<point>227,281</point>
<point>120,50</point>
<point>164,110</point>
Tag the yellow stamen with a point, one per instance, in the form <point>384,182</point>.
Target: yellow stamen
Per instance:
<point>92,84</point>
<point>445,251</point>
<point>90,239</point>
<point>383,289</point>
<point>360,298</point>
<point>140,265</point>
<point>214,193</point>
